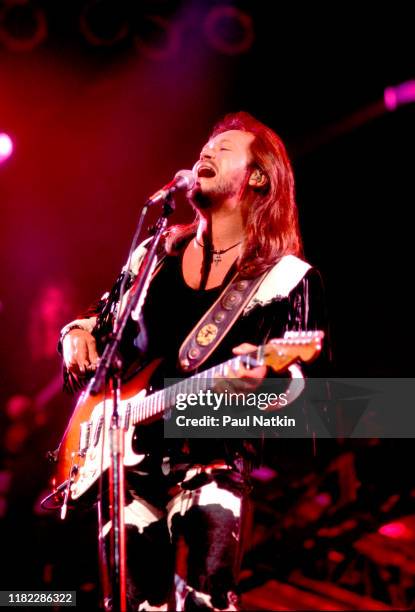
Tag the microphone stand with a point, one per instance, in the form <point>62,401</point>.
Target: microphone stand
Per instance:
<point>109,370</point>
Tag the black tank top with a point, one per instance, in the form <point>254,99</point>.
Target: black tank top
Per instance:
<point>171,311</point>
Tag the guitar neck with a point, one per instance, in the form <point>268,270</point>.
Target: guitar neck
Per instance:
<point>157,403</point>
<point>278,354</point>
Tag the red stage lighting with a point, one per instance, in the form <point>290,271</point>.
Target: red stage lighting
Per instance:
<point>164,41</point>
<point>399,95</point>
<point>6,147</point>
<point>23,26</point>
<point>103,23</point>
<point>397,530</point>
<point>229,30</point>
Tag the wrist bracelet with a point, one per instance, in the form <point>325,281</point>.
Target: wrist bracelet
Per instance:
<point>68,329</point>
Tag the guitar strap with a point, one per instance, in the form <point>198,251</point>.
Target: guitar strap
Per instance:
<point>218,320</point>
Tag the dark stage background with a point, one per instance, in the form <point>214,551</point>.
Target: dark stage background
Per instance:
<point>104,102</point>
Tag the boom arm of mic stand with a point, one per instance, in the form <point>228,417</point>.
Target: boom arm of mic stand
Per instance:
<point>110,368</point>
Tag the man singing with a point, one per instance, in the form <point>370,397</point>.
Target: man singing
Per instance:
<point>191,492</point>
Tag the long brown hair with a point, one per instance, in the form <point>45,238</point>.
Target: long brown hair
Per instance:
<point>271,217</point>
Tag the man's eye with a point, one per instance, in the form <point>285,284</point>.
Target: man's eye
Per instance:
<point>224,149</point>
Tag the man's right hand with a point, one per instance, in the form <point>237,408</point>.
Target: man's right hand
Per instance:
<point>79,352</point>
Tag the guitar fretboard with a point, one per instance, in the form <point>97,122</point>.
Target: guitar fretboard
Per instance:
<point>155,404</point>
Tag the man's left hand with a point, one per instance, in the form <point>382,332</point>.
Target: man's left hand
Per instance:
<point>241,379</point>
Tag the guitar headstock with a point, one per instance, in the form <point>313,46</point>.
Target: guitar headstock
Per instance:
<point>281,352</point>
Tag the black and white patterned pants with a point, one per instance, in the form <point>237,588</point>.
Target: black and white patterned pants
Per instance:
<point>183,537</point>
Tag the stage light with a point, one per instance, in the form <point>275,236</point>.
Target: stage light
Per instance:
<point>163,42</point>
<point>229,30</point>
<point>396,530</point>
<point>103,23</point>
<point>6,147</point>
<point>399,95</point>
<point>23,26</point>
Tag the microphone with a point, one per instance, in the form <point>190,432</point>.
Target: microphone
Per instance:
<point>184,179</point>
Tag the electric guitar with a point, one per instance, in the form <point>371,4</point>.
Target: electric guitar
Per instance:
<point>83,453</point>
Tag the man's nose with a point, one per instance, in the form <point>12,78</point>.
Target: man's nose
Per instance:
<point>207,154</point>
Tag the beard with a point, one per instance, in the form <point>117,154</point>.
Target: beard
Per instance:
<point>200,199</point>
<point>207,197</point>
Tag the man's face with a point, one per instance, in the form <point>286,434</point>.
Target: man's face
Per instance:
<point>223,167</point>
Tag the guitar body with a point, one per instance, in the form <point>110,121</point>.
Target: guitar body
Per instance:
<point>84,452</point>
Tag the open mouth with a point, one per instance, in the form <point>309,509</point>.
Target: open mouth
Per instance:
<point>205,172</point>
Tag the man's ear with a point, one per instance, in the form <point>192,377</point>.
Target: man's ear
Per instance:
<point>257,179</point>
